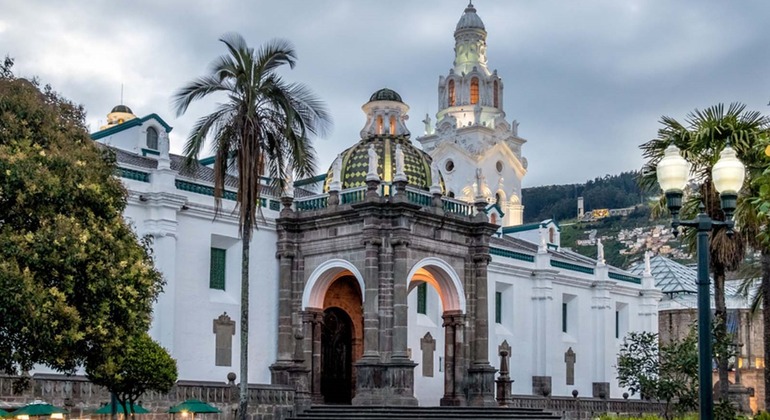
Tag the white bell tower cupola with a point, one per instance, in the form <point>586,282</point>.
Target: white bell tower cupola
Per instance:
<point>471,140</point>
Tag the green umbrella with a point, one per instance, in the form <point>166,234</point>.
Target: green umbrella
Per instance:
<point>194,406</point>
<point>4,413</point>
<point>107,409</point>
<point>39,409</point>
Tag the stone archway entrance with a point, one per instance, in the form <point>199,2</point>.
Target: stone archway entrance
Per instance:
<point>439,275</point>
<point>337,357</point>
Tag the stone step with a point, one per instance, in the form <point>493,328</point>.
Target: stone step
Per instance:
<point>417,413</point>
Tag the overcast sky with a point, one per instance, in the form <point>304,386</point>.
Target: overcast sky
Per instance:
<point>587,81</point>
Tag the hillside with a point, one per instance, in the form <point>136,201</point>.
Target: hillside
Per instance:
<point>560,201</point>
<point>625,238</point>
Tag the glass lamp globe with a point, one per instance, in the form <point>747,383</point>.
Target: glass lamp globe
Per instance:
<point>672,170</point>
<point>728,173</point>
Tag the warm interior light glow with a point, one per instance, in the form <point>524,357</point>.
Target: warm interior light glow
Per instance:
<point>57,416</point>
<point>672,170</point>
<point>451,92</point>
<point>728,173</point>
<point>474,91</point>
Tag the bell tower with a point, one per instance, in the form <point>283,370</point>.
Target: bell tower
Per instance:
<point>478,151</point>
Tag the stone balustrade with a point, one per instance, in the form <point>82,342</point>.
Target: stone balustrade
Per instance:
<point>82,398</point>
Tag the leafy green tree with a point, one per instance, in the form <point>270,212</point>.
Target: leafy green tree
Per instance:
<point>142,365</point>
<point>261,128</point>
<point>75,281</point>
<point>701,138</point>
<point>668,372</point>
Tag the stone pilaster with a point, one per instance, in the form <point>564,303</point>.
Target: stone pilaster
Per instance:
<point>455,364</point>
<point>481,375</point>
<point>543,320</point>
<point>371,310</point>
<point>603,328</point>
<point>400,292</point>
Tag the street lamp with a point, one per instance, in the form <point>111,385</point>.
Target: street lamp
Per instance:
<point>727,174</point>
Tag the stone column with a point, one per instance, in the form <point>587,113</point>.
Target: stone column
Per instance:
<point>385,300</point>
<point>285,321</point>
<point>454,363</point>
<point>400,292</point>
<point>312,322</point>
<point>371,304</point>
<point>481,375</point>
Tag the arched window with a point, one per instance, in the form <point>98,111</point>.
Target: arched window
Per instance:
<point>379,124</point>
<point>551,235</point>
<point>495,95</point>
<point>474,91</point>
<point>392,125</point>
<point>493,219</point>
<point>451,90</point>
<point>152,138</point>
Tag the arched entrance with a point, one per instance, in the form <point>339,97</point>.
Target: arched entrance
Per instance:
<point>334,318</point>
<point>337,357</point>
<point>440,276</point>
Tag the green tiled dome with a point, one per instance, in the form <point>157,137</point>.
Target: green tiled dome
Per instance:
<point>386,95</point>
<point>355,163</point>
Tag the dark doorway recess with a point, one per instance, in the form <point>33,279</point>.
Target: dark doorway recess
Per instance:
<point>336,357</point>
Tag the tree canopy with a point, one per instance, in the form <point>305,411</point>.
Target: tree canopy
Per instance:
<point>142,366</point>
<point>75,281</point>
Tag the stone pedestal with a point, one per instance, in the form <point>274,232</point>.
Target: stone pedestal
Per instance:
<point>399,195</point>
<point>541,386</point>
<point>371,189</point>
<point>385,383</point>
<point>601,390</point>
<point>739,395</point>
<point>297,376</point>
<point>481,386</point>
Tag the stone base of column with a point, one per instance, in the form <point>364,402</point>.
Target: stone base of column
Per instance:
<point>481,386</point>
<point>385,383</point>
<point>297,376</point>
<point>452,401</point>
<point>541,386</point>
<point>601,390</point>
<point>504,397</point>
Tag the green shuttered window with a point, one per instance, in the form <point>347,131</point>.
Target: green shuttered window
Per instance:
<point>499,307</point>
<point>564,317</point>
<point>217,273</point>
<point>422,298</point>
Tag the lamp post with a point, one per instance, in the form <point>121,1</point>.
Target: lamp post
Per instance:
<point>727,175</point>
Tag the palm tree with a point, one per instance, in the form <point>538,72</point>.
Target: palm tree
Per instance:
<point>261,129</point>
<point>701,139</point>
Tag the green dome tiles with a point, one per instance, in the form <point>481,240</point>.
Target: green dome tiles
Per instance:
<point>355,163</point>
<point>386,95</point>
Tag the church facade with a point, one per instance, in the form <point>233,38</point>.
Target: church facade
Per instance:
<point>399,277</point>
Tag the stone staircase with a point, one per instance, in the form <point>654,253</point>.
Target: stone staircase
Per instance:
<point>343,412</point>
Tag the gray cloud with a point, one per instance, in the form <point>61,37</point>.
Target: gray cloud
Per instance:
<point>588,81</point>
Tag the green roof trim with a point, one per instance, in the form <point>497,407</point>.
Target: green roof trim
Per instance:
<point>572,267</point>
<point>146,152</point>
<point>495,206</point>
<point>203,189</point>
<point>207,160</point>
<point>311,180</point>
<point>133,174</point>
<point>521,228</point>
<point>623,277</point>
<point>512,254</point>
<point>128,124</point>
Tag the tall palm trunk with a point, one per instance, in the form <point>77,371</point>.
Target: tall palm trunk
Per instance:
<point>720,329</point>
<point>765,290</point>
<point>244,388</point>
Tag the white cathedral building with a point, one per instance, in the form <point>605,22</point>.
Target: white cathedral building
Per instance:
<point>415,266</point>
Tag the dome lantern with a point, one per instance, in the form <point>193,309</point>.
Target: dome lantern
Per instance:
<point>385,129</point>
